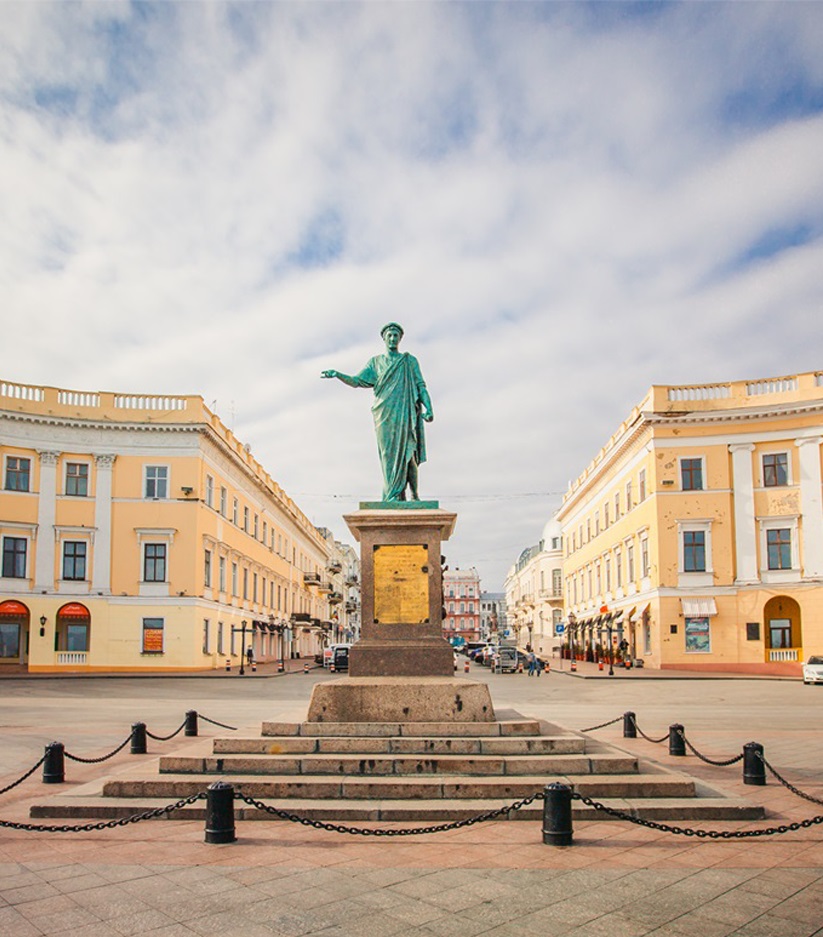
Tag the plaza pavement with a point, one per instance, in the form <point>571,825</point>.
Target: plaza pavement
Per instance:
<point>494,878</point>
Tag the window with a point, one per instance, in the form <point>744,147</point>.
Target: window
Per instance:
<point>557,582</point>
<point>154,562</point>
<point>608,565</point>
<point>74,560</point>
<point>628,496</point>
<point>219,637</point>
<point>246,519</point>
<point>779,548</point>
<point>641,485</point>
<point>152,635</point>
<point>618,568</point>
<point>157,481</point>
<point>18,473</point>
<point>256,527</point>
<point>77,479</point>
<point>630,561</point>
<point>606,515</point>
<point>234,510</point>
<point>245,583</point>
<point>221,568</point>
<point>644,557</point>
<point>234,578</point>
<point>9,640</point>
<point>206,649</point>
<point>694,551</point>
<point>207,569</point>
<point>209,491</point>
<point>224,497</point>
<point>775,469</point>
<point>76,636</point>
<point>691,474</point>
<point>14,557</point>
<point>697,636</point>
<point>617,506</point>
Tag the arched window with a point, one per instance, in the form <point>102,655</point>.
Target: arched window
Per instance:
<point>73,628</point>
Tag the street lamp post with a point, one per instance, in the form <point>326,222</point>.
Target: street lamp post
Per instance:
<point>242,630</point>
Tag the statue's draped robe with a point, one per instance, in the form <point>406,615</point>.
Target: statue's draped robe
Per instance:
<point>397,383</point>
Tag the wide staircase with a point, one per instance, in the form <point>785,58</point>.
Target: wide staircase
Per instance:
<point>416,772</point>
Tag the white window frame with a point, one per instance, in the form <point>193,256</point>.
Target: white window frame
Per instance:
<point>156,497</point>
<point>210,491</point>
<point>703,577</point>
<point>12,455</point>
<point>66,478</point>
<point>786,521</point>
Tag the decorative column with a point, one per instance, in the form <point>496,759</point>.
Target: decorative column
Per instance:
<point>811,507</point>
<point>745,533</point>
<point>101,574</point>
<point>46,516</point>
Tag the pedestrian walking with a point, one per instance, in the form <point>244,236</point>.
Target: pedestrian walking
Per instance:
<point>532,662</point>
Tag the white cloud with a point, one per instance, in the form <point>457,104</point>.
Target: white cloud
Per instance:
<point>226,198</point>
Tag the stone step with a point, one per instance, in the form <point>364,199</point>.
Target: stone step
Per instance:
<point>424,812</point>
<point>414,788</point>
<point>396,745</point>
<point>394,765</point>
<point>503,727</point>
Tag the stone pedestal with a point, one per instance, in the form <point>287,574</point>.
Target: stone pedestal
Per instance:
<point>401,591</point>
<point>401,670</point>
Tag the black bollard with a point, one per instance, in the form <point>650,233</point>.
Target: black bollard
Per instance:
<point>138,738</point>
<point>677,745</point>
<point>629,726</point>
<point>557,814</point>
<point>754,770</point>
<point>54,766</point>
<point>191,722</point>
<point>220,813</point>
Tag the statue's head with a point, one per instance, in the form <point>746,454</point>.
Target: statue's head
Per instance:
<point>391,325</point>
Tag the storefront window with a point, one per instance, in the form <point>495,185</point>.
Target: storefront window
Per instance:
<point>698,636</point>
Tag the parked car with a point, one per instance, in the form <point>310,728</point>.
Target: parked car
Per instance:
<point>506,660</point>
<point>340,657</point>
<point>813,670</point>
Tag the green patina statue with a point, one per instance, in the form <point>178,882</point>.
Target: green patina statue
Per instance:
<point>401,405</point>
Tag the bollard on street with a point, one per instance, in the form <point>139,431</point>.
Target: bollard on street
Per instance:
<point>54,766</point>
<point>629,725</point>
<point>754,770</point>
<point>220,813</point>
<point>677,745</point>
<point>557,814</point>
<point>191,722</point>
<point>138,738</point>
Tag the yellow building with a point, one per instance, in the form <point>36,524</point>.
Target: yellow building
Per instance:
<point>138,534</point>
<point>696,534</point>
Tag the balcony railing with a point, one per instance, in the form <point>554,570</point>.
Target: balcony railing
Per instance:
<point>780,654</point>
<point>72,658</point>
<point>311,579</point>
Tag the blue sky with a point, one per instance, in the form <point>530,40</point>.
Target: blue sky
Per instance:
<point>562,203</point>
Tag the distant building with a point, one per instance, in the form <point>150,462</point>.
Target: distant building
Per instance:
<point>461,600</point>
<point>695,537</point>
<point>139,534</point>
<point>341,585</point>
<point>492,615</point>
<point>534,593</point>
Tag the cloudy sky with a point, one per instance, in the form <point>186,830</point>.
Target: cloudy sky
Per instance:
<point>562,203</point>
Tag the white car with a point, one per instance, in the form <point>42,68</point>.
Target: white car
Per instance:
<point>813,670</point>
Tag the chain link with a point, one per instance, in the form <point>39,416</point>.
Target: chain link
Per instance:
<point>700,834</point>
<point>339,828</point>
<point>28,774</point>
<point>108,824</point>
<point>719,764</point>
<point>97,761</point>
<point>646,737</point>
<point>165,738</point>
<point>602,725</point>
<point>221,724</point>
<point>787,785</point>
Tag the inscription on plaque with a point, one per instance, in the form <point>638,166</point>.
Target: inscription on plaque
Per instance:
<point>401,584</point>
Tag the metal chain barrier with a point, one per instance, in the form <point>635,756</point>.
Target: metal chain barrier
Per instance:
<point>603,725</point>
<point>709,761</point>
<point>339,828</point>
<point>165,738</point>
<point>646,737</point>
<point>220,724</point>
<point>700,834</point>
<point>104,825</point>
<point>28,774</point>
<point>97,761</point>
<point>789,786</point>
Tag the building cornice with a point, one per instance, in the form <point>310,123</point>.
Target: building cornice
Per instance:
<point>737,415</point>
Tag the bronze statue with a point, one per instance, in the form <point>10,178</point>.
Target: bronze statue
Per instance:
<point>401,406</point>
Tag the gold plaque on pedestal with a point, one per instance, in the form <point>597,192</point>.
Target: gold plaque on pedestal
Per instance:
<point>401,584</point>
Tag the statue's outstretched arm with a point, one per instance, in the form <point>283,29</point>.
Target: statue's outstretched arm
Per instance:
<point>345,378</point>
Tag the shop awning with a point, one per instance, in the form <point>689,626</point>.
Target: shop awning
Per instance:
<point>639,612</point>
<point>699,608</point>
<point>74,610</point>
<point>12,609</point>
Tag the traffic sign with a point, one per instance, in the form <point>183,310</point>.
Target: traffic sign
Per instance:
<point>559,628</point>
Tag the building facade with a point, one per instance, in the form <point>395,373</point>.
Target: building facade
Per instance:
<point>534,593</point>
<point>695,538</point>
<point>492,616</point>
<point>461,601</point>
<point>139,534</point>
<point>342,586</point>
